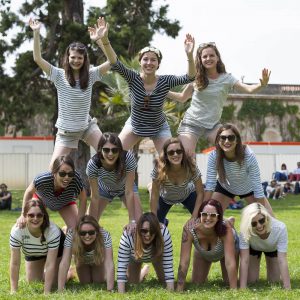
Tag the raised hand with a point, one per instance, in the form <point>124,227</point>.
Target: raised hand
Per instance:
<point>99,30</point>
<point>265,74</point>
<point>34,24</point>
<point>189,44</point>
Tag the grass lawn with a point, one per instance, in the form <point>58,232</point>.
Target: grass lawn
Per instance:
<point>115,217</point>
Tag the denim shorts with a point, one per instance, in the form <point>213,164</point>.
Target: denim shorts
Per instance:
<point>197,131</point>
<point>109,196</point>
<point>70,139</point>
<point>164,131</point>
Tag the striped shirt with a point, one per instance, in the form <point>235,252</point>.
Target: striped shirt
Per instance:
<point>172,193</point>
<point>240,179</point>
<point>108,180</point>
<point>277,239</point>
<point>32,246</point>
<point>126,253</point>
<point>148,122</point>
<point>73,102</point>
<point>44,185</point>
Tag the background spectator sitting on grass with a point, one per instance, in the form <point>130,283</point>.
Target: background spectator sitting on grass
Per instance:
<point>274,190</point>
<point>5,197</point>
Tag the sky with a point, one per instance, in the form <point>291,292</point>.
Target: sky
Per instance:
<point>250,35</point>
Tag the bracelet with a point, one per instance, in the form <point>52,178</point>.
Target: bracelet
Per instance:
<point>105,44</point>
<point>97,40</point>
<point>133,221</point>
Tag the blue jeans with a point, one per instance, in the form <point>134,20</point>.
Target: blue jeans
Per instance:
<point>163,207</point>
<point>280,176</point>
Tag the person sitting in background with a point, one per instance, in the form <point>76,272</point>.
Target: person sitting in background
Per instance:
<point>274,190</point>
<point>295,176</point>
<point>288,188</point>
<point>281,175</point>
<point>5,197</point>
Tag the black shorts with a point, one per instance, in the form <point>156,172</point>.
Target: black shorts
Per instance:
<point>221,190</point>
<point>258,253</point>
<point>60,249</point>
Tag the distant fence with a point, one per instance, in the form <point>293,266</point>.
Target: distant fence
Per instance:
<point>18,169</point>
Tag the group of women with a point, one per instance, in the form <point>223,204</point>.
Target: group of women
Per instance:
<point>232,171</point>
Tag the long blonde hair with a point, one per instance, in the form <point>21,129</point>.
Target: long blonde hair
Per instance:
<point>248,213</point>
<point>79,247</point>
<point>157,243</point>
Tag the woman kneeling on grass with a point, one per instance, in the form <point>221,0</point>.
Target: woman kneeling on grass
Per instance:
<point>176,179</point>
<point>260,232</point>
<point>42,244</point>
<point>214,240</point>
<point>93,254</point>
<point>150,242</point>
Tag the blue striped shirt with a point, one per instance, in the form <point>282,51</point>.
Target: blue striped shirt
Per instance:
<point>44,185</point>
<point>172,193</point>
<point>240,179</point>
<point>108,180</point>
<point>126,253</point>
<point>31,245</point>
<point>73,103</point>
<point>148,122</point>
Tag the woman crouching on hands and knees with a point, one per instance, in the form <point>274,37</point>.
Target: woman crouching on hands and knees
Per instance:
<point>42,244</point>
<point>260,232</point>
<point>149,243</point>
<point>214,240</point>
<point>92,252</point>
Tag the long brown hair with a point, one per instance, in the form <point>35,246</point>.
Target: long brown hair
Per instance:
<point>113,138</point>
<point>79,247</point>
<point>154,226</point>
<point>201,78</point>
<point>163,163</point>
<point>84,70</point>
<point>46,222</point>
<point>239,150</point>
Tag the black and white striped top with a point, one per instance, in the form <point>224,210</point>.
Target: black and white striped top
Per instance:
<point>32,246</point>
<point>172,193</point>
<point>148,122</point>
<point>240,179</point>
<point>73,102</point>
<point>44,185</point>
<point>126,253</point>
<point>108,180</point>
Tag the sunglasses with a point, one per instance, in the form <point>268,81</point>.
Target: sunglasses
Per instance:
<point>146,103</point>
<point>38,216</point>
<point>89,232</point>
<point>230,137</point>
<point>152,49</point>
<point>260,221</point>
<point>172,152</point>
<point>77,46</point>
<point>64,174</point>
<point>207,44</point>
<point>112,150</point>
<point>144,231</point>
<point>207,214</point>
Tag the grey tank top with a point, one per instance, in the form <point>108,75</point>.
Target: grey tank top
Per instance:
<point>213,255</point>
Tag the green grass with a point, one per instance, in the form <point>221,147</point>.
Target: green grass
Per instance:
<point>113,220</point>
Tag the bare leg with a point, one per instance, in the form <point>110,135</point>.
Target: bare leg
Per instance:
<point>159,143</point>
<point>96,209</point>
<point>35,270</point>
<point>59,151</point>
<point>201,268</point>
<point>138,211</point>
<point>94,138</point>
<point>70,215</point>
<point>189,142</point>
<point>212,136</point>
<point>128,138</point>
<point>98,273</point>
<point>224,200</point>
<point>273,271</point>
